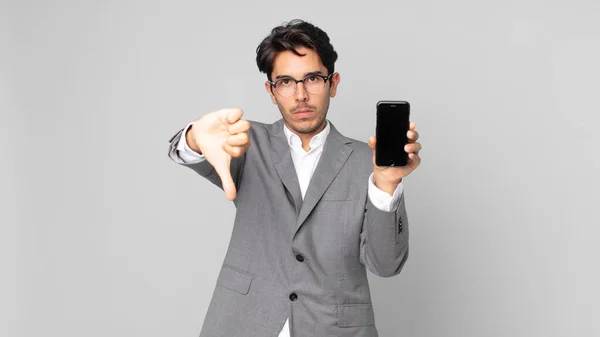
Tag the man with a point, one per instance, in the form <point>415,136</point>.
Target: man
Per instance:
<point>313,211</point>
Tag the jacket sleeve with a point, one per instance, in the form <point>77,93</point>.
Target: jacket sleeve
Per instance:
<point>204,168</point>
<point>384,239</point>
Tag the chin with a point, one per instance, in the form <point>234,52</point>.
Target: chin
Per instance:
<point>307,125</point>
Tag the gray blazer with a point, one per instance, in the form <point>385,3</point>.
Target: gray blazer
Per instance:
<point>302,259</point>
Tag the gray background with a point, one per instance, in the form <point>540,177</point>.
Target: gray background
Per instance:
<point>102,235</point>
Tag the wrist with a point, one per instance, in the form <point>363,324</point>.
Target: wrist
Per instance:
<point>387,187</point>
<point>191,140</point>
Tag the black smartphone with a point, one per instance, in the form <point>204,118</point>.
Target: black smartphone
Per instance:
<point>393,122</point>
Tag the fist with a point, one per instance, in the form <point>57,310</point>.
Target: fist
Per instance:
<point>219,136</point>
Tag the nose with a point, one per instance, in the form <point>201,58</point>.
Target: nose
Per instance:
<point>301,94</point>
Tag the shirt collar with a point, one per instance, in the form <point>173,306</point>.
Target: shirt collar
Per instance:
<point>316,141</point>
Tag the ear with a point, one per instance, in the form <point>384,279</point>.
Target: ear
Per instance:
<point>270,91</point>
<point>335,81</point>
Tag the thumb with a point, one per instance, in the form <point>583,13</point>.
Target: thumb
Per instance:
<point>372,142</point>
<point>223,170</point>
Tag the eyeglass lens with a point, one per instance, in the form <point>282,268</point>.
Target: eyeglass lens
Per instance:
<point>313,84</point>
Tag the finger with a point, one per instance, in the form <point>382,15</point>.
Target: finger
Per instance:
<point>412,136</point>
<point>233,115</point>
<point>412,148</point>
<point>239,126</point>
<point>223,170</point>
<point>412,126</point>
<point>234,151</point>
<point>229,116</point>
<point>238,139</point>
<point>415,159</point>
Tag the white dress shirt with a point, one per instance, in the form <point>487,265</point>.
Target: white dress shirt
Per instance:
<point>305,164</point>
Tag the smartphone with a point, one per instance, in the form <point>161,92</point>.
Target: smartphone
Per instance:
<point>393,122</point>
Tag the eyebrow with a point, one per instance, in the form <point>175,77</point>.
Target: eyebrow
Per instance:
<point>317,72</point>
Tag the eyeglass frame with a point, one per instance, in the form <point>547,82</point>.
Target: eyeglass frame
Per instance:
<point>325,79</point>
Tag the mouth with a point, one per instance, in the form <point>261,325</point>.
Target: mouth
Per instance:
<point>303,113</point>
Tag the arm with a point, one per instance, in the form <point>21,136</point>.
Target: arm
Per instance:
<point>181,153</point>
<point>384,239</point>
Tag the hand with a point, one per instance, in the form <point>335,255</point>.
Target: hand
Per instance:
<point>388,178</point>
<point>219,136</point>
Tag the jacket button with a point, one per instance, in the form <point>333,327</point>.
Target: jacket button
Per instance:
<point>293,297</point>
<point>300,258</point>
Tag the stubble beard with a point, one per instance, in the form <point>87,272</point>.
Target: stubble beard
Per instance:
<point>309,128</point>
<point>306,128</point>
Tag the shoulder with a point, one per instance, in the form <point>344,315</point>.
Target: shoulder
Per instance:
<point>361,148</point>
<point>258,128</point>
<point>361,158</point>
<point>263,133</point>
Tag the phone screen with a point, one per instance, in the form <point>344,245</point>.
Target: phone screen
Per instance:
<point>393,118</point>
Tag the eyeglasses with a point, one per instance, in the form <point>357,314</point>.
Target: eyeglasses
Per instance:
<point>313,84</point>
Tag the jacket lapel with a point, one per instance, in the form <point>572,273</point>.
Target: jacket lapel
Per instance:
<point>282,159</point>
<point>334,156</point>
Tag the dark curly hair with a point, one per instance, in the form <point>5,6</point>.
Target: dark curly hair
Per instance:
<point>289,36</point>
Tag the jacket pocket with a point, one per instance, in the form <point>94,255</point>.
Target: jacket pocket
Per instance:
<point>350,315</point>
<point>234,279</point>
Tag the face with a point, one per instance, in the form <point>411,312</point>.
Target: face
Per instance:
<point>304,113</point>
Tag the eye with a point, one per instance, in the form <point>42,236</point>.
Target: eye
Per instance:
<point>285,81</point>
<point>312,78</point>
